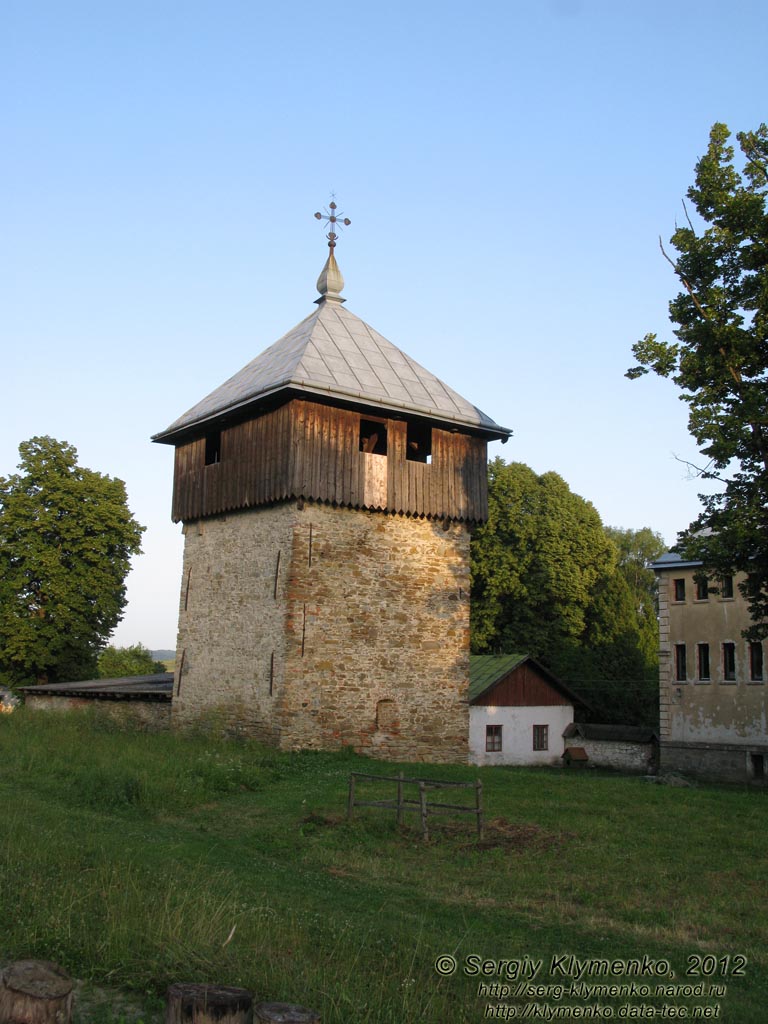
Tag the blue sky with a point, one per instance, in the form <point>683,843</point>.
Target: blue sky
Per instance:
<point>508,169</point>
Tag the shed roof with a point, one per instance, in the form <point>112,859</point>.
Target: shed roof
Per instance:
<point>611,733</point>
<point>335,354</point>
<point>150,687</point>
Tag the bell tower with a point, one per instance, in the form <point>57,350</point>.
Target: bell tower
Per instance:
<point>327,492</point>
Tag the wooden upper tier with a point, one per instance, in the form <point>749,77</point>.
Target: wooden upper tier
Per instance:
<point>307,450</point>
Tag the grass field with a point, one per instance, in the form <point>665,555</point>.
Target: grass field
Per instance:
<point>138,860</point>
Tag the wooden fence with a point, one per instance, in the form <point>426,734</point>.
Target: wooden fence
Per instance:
<point>421,805</point>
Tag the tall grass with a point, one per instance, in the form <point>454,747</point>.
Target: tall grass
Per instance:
<point>137,860</point>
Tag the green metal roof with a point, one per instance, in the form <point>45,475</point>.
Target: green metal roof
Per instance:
<point>487,669</point>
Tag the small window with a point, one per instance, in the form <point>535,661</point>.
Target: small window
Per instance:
<point>541,737</point>
<point>373,437</point>
<point>418,444</point>
<point>702,590</point>
<point>726,588</point>
<point>756,662</point>
<point>679,589</point>
<point>213,448</point>
<point>757,766</point>
<point>493,738</point>
<point>729,662</point>
<point>681,669</point>
<point>704,661</point>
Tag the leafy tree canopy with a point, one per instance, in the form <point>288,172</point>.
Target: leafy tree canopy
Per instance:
<point>66,539</point>
<point>547,581</point>
<point>720,360</point>
<point>116,662</point>
<point>636,549</point>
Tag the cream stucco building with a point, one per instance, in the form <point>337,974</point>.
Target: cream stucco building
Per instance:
<point>712,680</point>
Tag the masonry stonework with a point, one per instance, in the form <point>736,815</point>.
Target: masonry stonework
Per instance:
<point>138,715</point>
<point>313,626</point>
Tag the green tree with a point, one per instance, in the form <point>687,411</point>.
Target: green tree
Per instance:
<point>546,581</point>
<point>636,550</point>
<point>534,563</point>
<point>116,662</point>
<point>720,360</point>
<point>66,539</point>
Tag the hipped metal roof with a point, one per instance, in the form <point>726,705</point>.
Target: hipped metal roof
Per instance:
<point>335,354</point>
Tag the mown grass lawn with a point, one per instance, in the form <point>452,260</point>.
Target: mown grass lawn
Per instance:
<point>135,861</point>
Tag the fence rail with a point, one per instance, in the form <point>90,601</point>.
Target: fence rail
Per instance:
<point>421,805</point>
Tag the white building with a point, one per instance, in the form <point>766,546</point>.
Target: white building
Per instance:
<point>518,711</point>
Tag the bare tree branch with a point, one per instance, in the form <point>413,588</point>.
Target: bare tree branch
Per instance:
<point>705,472</point>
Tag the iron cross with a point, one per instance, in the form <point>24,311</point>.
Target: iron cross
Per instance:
<point>333,219</point>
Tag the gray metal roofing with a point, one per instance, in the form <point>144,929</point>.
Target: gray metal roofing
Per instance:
<point>611,733</point>
<point>157,684</point>
<point>672,560</point>
<point>335,353</point>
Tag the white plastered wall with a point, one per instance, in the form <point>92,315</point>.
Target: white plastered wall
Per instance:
<point>517,733</point>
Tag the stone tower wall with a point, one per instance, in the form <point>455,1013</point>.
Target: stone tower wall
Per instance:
<point>358,623</point>
<point>232,611</point>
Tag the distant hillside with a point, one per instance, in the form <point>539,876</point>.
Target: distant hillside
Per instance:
<point>163,655</point>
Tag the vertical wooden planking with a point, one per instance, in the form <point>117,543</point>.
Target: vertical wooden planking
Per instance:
<point>304,449</point>
<point>355,459</point>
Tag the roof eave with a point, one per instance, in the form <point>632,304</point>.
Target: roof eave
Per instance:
<point>491,433</point>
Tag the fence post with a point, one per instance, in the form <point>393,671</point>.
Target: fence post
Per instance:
<point>423,804</point>
<point>400,799</point>
<point>351,797</point>
<point>479,806</point>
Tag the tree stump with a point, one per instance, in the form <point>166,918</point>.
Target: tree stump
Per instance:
<point>284,1013</point>
<point>35,992</point>
<point>208,1004</point>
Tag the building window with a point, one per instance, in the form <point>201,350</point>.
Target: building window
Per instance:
<point>418,443</point>
<point>726,588</point>
<point>702,590</point>
<point>541,737</point>
<point>729,662</point>
<point>373,437</point>
<point>679,589</point>
<point>756,662</point>
<point>493,738</point>
<point>704,662</point>
<point>681,672</point>
<point>757,766</point>
<point>213,448</point>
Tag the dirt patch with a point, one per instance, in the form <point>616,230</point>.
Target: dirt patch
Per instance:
<point>499,832</point>
<point>321,820</point>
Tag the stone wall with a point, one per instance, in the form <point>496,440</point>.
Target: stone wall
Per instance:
<point>718,763</point>
<point>312,626</point>
<point>624,756</point>
<point>146,716</point>
<point>232,611</point>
